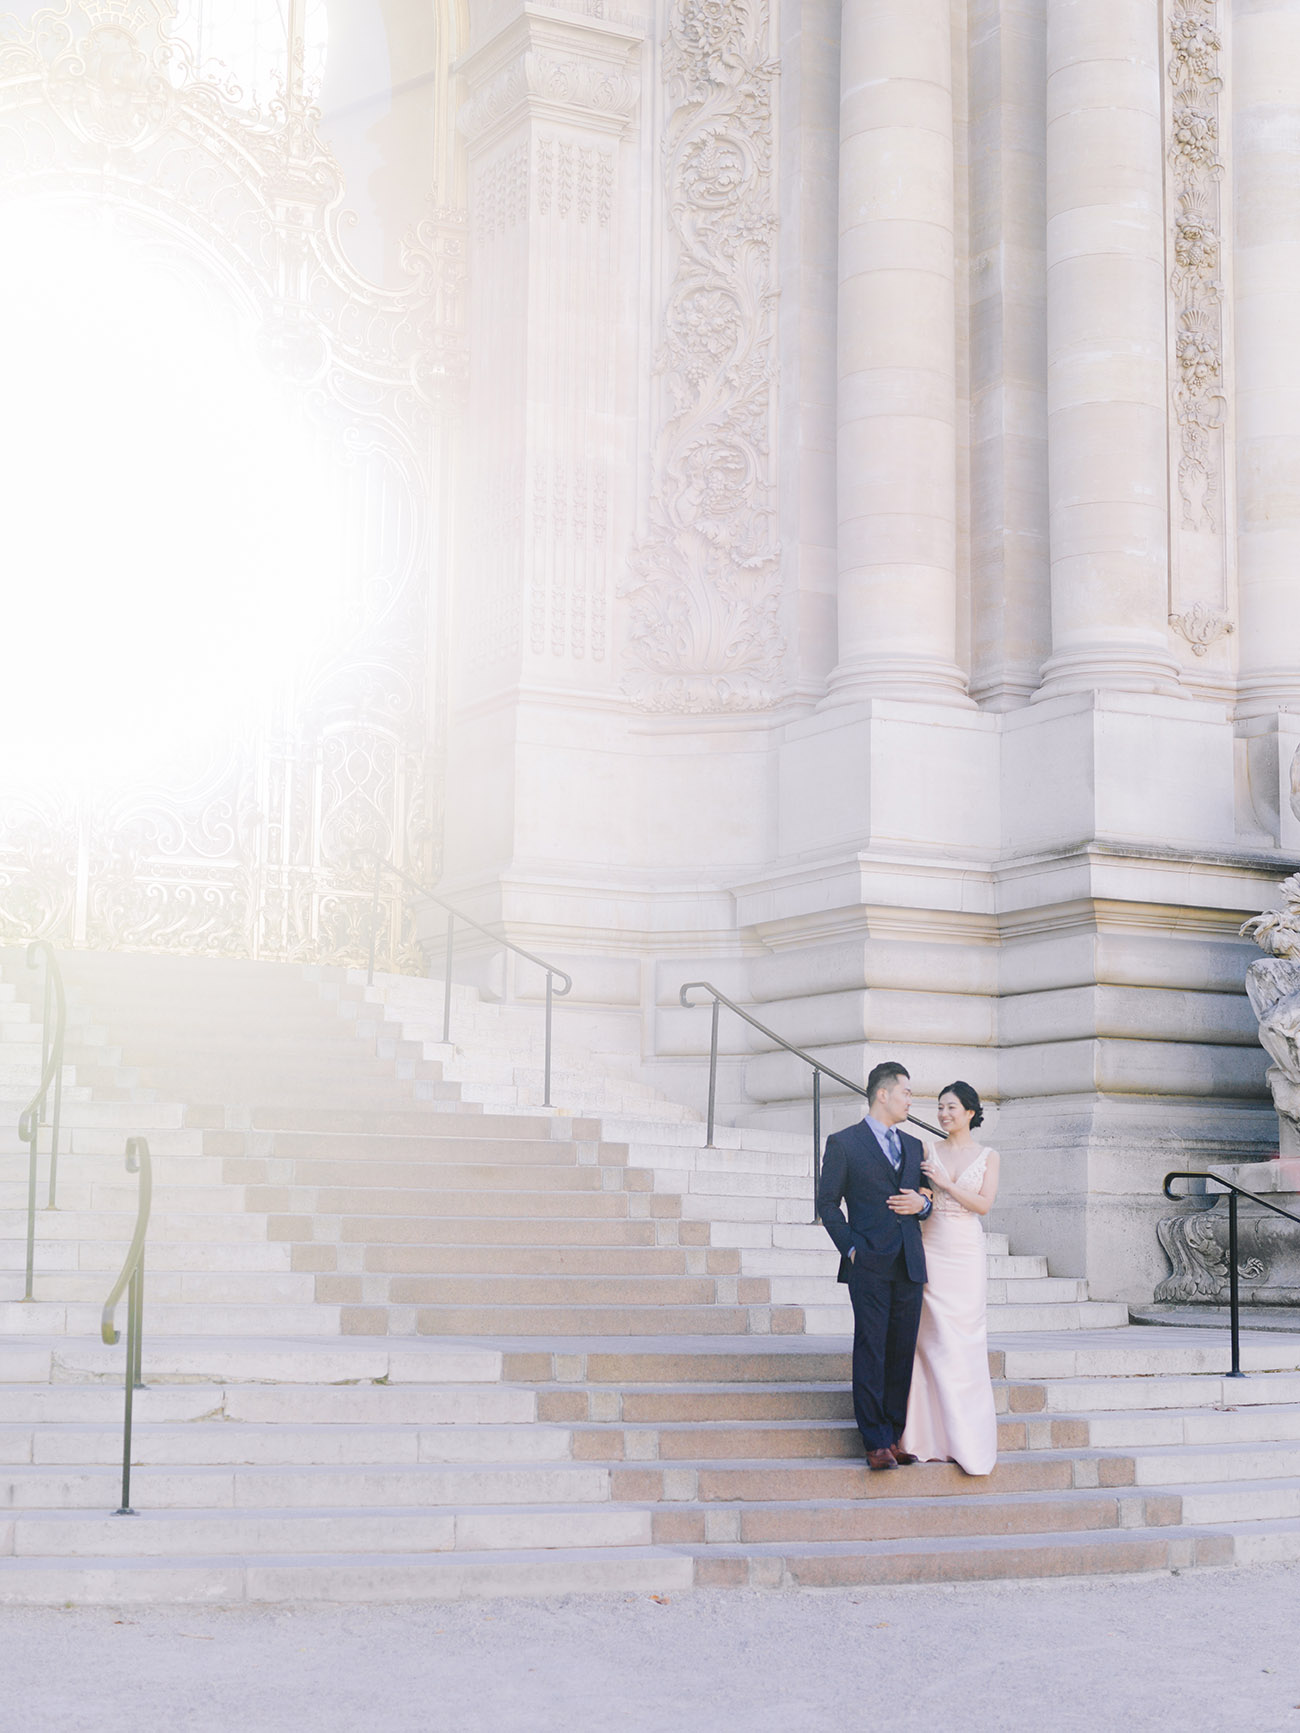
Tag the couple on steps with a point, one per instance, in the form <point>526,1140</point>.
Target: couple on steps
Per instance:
<point>921,1388</point>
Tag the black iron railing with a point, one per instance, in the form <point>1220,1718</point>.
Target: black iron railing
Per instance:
<point>454,915</point>
<point>33,1117</point>
<point>1234,1297</point>
<point>132,1279</point>
<point>818,1070</point>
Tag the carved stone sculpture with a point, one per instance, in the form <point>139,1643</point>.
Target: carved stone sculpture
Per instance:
<point>1268,1247</point>
<point>1273,984</point>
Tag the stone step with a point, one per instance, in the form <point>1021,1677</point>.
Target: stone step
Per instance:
<point>1265,1422</point>
<point>962,1559</point>
<point>767,1480</point>
<point>205,1533</point>
<point>423,1194</point>
<point>76,1318</point>
<point>267,1361</point>
<point>821,1290</point>
<point>201,1443</point>
<point>262,1288</point>
<point>114,1227</point>
<point>1229,1461</point>
<point>1151,1392</point>
<point>1138,1353</point>
<point>365,1152</point>
<point>1052,1316</point>
<point>360,1577</point>
<point>558,1262</point>
<point>868,1520</point>
<point>279,1486</point>
<point>358,1203</point>
<point>785,1440</point>
<point>579,1320</point>
<point>296,1404</point>
<point>1232,1501</point>
<point>509,1291</point>
<point>397,1123</point>
<point>554,1233</point>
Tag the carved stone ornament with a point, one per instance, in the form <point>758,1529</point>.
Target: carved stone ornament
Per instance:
<point>1196,170</point>
<point>1196,1244</point>
<point>1202,626</point>
<point>1273,985</point>
<point>703,595</point>
<point>102,110</point>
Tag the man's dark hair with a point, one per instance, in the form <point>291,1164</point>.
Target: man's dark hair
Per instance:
<point>882,1076</point>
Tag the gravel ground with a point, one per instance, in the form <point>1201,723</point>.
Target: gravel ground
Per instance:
<point>1192,1653</point>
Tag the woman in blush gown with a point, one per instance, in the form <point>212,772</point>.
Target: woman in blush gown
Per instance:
<point>950,1413</point>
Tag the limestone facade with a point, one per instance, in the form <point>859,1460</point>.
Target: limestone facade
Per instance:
<point>878,587</point>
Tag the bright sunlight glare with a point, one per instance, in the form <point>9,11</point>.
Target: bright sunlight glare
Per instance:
<point>171,562</point>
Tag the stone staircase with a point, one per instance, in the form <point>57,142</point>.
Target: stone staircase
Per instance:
<point>410,1335</point>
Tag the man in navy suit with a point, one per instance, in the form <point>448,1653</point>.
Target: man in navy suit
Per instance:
<point>874,1169</point>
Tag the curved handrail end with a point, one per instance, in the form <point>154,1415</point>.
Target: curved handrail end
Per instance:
<point>137,1161</point>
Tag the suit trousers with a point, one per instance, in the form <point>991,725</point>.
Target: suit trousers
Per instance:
<point>886,1317</point>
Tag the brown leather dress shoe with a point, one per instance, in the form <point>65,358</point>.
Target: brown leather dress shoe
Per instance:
<point>881,1459</point>
<point>903,1458</point>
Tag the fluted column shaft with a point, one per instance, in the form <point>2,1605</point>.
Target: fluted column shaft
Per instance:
<point>1265,102</point>
<point>1106,386</point>
<point>896,415</point>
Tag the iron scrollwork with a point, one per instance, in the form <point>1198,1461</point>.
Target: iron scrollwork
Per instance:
<point>102,106</point>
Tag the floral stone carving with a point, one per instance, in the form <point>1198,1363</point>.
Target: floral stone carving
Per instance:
<point>704,632</point>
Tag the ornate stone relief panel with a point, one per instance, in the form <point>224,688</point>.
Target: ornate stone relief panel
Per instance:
<point>703,595</point>
<point>1200,477</point>
<point>102,110</point>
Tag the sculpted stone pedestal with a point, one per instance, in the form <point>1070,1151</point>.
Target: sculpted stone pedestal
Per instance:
<point>1268,1246</point>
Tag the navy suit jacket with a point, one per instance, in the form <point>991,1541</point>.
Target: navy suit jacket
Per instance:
<point>858,1175</point>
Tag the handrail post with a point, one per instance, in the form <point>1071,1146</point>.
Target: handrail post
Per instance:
<point>131,1278</point>
<point>30,1133</point>
<point>1233,1295</point>
<point>58,1113</point>
<point>713,1068</point>
<point>817,1139</point>
<point>546,1098</point>
<point>132,1340</point>
<point>446,980</point>
<point>374,925</point>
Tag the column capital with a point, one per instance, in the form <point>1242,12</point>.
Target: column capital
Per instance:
<point>551,65</point>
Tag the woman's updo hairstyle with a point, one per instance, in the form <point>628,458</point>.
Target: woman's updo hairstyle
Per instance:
<point>969,1099</point>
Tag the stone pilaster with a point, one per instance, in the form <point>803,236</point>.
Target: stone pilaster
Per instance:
<point>1106,377</point>
<point>897,356</point>
<point>550,97</point>
<point>1265,105</point>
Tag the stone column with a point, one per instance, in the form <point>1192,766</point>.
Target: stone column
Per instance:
<point>1106,383</point>
<point>1265,103</point>
<point>550,100</point>
<point>896,432</point>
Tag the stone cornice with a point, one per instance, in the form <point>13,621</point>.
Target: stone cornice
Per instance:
<point>551,65</point>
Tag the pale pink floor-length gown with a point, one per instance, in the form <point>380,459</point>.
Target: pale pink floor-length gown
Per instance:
<point>950,1413</point>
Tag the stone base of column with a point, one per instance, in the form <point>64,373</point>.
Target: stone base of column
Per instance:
<point>1266,693</point>
<point>1109,668</point>
<point>920,677</point>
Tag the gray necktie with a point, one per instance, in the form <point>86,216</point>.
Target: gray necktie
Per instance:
<point>895,1149</point>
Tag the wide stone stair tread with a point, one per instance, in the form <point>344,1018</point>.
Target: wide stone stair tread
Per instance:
<point>829,1564</point>
<point>221,1581</point>
<point>577,1319</point>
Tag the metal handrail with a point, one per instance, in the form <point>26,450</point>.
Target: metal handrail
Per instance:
<point>32,1117</point>
<point>131,1277</point>
<point>553,974</point>
<point>1234,1191</point>
<point>818,1070</point>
